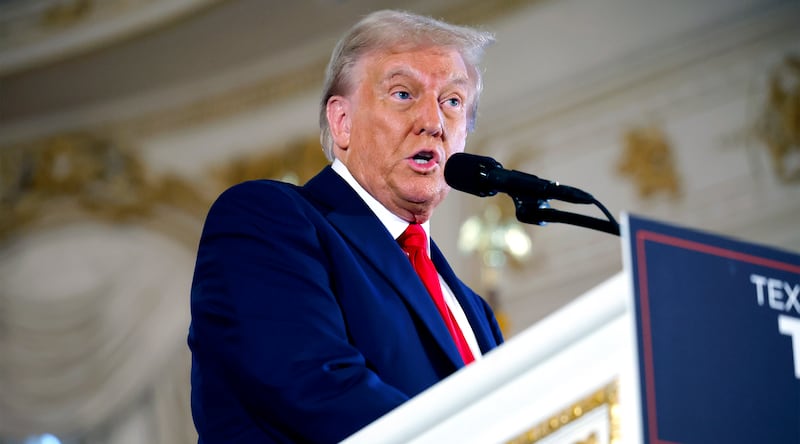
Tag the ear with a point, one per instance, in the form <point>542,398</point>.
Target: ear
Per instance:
<point>338,112</point>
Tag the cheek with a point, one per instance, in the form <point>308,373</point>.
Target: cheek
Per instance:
<point>375,128</point>
<point>457,142</point>
<point>457,128</point>
<point>392,127</point>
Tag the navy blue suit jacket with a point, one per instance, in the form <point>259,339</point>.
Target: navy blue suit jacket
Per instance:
<point>308,321</point>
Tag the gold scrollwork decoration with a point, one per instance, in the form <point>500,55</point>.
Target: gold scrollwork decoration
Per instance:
<point>66,12</point>
<point>105,179</point>
<point>605,396</point>
<point>90,170</point>
<point>779,124</point>
<point>296,162</point>
<point>648,160</point>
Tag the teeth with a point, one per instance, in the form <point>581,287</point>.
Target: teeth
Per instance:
<point>422,158</point>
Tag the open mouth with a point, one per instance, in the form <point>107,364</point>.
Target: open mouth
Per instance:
<point>422,157</point>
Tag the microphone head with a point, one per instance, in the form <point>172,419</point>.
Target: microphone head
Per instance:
<point>470,173</point>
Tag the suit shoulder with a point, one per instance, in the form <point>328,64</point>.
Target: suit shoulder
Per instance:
<point>259,199</point>
<point>259,190</point>
<point>259,193</point>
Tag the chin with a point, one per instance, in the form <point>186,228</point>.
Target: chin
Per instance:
<point>425,194</point>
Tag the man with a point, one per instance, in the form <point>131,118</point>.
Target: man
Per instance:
<point>308,319</point>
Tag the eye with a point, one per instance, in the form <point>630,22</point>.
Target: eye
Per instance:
<point>453,102</point>
<point>402,95</point>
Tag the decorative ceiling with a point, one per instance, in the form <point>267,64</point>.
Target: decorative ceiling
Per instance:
<point>69,54</point>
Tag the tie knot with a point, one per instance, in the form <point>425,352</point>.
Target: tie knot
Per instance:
<point>413,238</point>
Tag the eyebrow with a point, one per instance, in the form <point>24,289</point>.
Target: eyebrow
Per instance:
<point>404,71</point>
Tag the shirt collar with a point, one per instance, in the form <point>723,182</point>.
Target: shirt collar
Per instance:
<point>391,221</point>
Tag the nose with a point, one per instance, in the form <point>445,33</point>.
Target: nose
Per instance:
<point>429,118</point>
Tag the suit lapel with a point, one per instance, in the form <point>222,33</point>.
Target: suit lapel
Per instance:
<point>353,219</point>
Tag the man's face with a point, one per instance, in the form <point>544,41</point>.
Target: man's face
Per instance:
<point>406,116</point>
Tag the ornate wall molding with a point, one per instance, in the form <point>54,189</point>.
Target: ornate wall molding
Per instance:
<point>93,175</point>
<point>606,397</point>
<point>306,78</point>
<point>33,32</point>
<point>658,71</point>
<point>227,97</point>
<point>648,160</point>
<point>778,126</point>
<point>92,171</point>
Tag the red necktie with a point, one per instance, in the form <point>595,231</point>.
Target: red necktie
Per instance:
<point>415,243</point>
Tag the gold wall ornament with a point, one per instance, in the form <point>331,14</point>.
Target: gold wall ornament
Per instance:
<point>607,396</point>
<point>65,13</point>
<point>648,160</point>
<point>88,170</point>
<point>779,123</point>
<point>296,162</point>
<point>106,179</point>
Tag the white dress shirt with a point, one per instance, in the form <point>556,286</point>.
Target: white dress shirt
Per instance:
<point>396,227</point>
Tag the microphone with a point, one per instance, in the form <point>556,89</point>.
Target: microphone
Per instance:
<point>484,176</point>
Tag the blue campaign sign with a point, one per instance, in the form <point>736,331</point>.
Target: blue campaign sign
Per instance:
<point>718,328</point>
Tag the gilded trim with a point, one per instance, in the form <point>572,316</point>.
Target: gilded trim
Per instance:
<point>605,396</point>
<point>778,126</point>
<point>648,160</point>
<point>103,179</point>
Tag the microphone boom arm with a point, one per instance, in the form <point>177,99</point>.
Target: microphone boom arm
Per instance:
<point>537,211</point>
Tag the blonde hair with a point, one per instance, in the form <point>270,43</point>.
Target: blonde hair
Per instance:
<point>389,29</point>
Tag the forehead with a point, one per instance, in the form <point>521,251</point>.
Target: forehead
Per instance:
<point>438,63</point>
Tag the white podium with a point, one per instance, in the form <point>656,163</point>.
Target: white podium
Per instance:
<point>568,379</point>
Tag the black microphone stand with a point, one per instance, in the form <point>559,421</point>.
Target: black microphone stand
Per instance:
<point>537,211</point>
